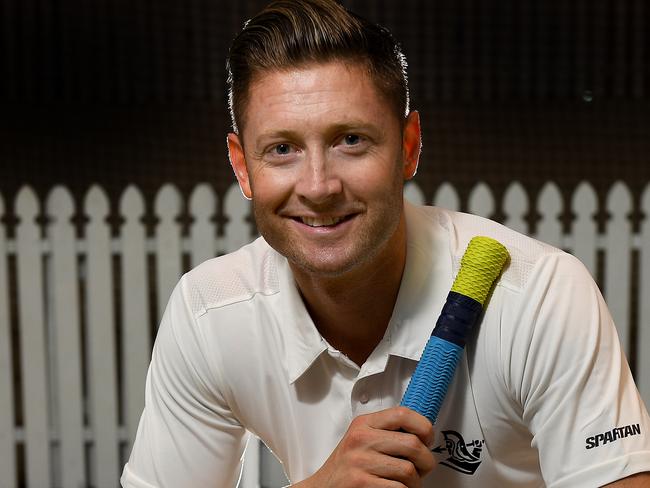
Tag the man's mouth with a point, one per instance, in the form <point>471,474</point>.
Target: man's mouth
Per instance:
<point>323,221</point>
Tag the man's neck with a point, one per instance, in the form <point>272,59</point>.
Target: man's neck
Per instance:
<point>352,311</point>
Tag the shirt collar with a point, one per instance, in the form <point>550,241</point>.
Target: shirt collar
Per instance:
<point>425,283</point>
<point>427,279</point>
<point>303,342</point>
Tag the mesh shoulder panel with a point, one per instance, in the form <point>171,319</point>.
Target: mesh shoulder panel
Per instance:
<point>524,250</point>
<point>232,278</point>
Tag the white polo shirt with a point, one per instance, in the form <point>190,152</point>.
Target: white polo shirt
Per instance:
<point>542,397</point>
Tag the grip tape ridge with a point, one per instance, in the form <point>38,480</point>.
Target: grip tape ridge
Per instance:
<point>428,386</point>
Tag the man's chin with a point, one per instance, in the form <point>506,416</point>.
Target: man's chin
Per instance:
<point>326,267</point>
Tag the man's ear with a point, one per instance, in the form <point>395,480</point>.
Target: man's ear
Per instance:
<point>238,163</point>
<point>411,144</point>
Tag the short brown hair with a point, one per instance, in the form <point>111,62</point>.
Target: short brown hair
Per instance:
<point>289,33</point>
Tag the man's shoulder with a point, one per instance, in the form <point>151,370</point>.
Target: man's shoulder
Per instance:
<point>232,278</point>
<point>526,253</point>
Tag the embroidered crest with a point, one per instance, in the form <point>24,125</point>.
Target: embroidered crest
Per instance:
<point>463,457</point>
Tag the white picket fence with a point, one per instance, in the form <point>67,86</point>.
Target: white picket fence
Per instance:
<point>81,320</point>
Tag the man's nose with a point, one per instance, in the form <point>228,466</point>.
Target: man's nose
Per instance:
<point>318,180</point>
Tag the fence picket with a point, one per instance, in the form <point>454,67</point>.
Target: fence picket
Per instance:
<point>66,328</point>
<point>7,434</point>
<point>101,342</point>
<point>515,206</point>
<point>33,362</point>
<point>617,261</point>
<point>481,201</point>
<point>447,197</point>
<point>643,344</point>
<point>136,343</point>
<point>549,205</point>
<point>584,204</point>
<point>413,193</point>
<point>202,231</point>
<point>168,245</point>
<point>238,229</point>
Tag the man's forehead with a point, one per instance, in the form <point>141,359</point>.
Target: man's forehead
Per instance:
<point>310,71</point>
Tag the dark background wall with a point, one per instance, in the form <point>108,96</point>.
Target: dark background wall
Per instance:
<point>133,91</point>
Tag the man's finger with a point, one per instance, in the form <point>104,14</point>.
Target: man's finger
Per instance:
<point>409,447</point>
<point>402,418</point>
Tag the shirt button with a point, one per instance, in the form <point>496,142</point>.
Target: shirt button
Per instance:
<point>364,398</point>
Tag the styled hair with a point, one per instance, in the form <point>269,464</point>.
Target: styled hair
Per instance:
<point>290,33</point>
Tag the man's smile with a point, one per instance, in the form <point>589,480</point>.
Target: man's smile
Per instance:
<point>323,220</point>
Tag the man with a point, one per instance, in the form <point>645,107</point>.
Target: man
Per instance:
<point>308,336</point>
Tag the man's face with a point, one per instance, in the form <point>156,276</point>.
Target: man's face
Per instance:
<point>324,160</point>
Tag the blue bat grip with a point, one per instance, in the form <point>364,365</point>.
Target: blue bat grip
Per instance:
<point>431,379</point>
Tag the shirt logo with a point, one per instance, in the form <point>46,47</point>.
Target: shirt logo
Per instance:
<point>612,435</point>
<point>460,458</point>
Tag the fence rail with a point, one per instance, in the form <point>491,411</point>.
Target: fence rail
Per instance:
<point>79,307</point>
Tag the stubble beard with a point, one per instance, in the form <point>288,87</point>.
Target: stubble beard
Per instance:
<point>328,262</point>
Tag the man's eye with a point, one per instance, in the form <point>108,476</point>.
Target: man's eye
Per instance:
<point>282,149</point>
<point>351,139</point>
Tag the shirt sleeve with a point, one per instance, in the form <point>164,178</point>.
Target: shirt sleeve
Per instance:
<point>187,435</point>
<point>578,398</point>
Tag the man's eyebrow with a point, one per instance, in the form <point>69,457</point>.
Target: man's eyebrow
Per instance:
<point>347,126</point>
<point>277,134</point>
<point>353,125</point>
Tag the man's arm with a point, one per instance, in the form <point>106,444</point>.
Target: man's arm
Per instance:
<point>187,434</point>
<point>570,375</point>
<point>640,480</point>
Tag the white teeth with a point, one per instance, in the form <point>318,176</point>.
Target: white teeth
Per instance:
<point>320,221</point>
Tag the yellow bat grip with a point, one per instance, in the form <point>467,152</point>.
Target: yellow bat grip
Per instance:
<point>479,267</point>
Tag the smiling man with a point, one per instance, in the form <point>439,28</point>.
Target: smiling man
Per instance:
<point>308,336</point>
<point>326,162</point>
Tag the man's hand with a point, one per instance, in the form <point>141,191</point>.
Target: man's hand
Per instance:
<point>383,449</point>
